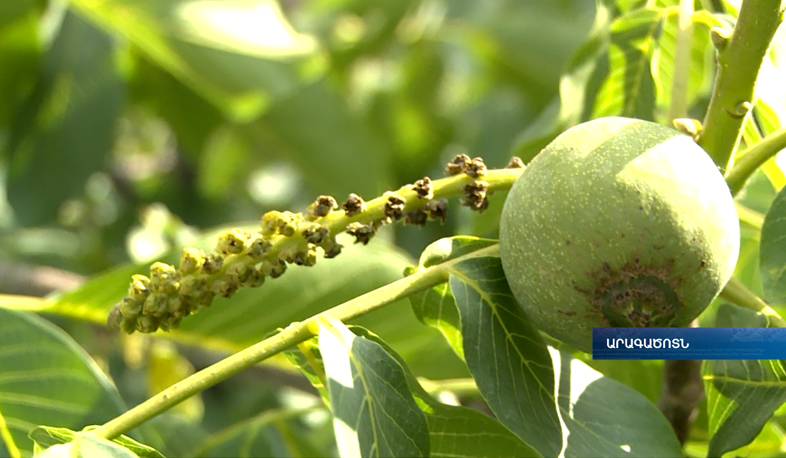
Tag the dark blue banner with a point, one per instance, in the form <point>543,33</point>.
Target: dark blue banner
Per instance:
<point>689,343</point>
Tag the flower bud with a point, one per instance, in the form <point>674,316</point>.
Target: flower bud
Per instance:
<point>155,305</point>
<point>258,248</point>
<point>191,260</point>
<point>212,264</point>
<point>394,207</point>
<point>316,234</point>
<point>238,272</point>
<point>354,205</point>
<point>515,163</point>
<point>270,223</point>
<point>128,325</point>
<point>115,318</point>
<point>437,209</point>
<point>147,324</point>
<point>130,307</point>
<point>232,242</point>
<point>193,287</point>
<point>457,165</point>
<point>161,274</point>
<point>476,168</point>
<point>274,268</point>
<point>224,287</point>
<point>361,232</point>
<point>255,278</point>
<point>322,206</point>
<point>423,188</point>
<point>138,290</point>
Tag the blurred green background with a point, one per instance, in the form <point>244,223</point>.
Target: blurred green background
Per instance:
<point>217,111</point>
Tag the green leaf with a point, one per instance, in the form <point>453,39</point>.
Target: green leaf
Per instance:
<point>374,413</point>
<point>700,69</point>
<point>628,88</point>
<point>47,436</point>
<point>12,11</point>
<point>453,431</point>
<point>511,365</point>
<point>66,129</point>
<point>741,394</point>
<point>456,431</point>
<point>435,307</point>
<point>215,48</point>
<point>87,446</point>
<point>307,359</point>
<point>46,378</point>
<point>518,376</point>
<point>772,257</point>
<point>338,153</point>
<point>20,52</point>
<point>577,89</point>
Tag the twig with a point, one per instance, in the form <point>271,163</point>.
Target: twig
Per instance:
<point>753,158</point>
<point>739,61</point>
<point>737,293</point>
<point>292,335</point>
<point>683,390</point>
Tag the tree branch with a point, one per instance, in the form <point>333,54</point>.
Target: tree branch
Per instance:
<point>739,61</point>
<point>292,335</point>
<point>753,158</point>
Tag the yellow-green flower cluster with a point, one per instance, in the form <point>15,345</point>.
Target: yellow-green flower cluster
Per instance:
<point>243,259</point>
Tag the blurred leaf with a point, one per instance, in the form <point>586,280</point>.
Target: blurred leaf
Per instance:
<point>374,412</point>
<point>224,155</point>
<point>165,367</point>
<point>265,435</point>
<point>47,436</point>
<point>13,10</point>
<point>46,378</point>
<point>333,148</point>
<point>530,41</point>
<point>190,116</point>
<point>241,56</point>
<point>772,251</point>
<point>628,89</point>
<point>700,69</point>
<point>172,435</point>
<point>87,446</point>
<point>519,375</point>
<point>78,92</point>
<point>741,394</point>
<point>19,57</point>
<point>577,87</point>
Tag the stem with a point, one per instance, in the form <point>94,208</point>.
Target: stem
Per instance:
<point>678,108</point>
<point>497,179</point>
<point>739,62</point>
<point>753,158</point>
<point>292,335</point>
<point>737,293</point>
<point>749,216</point>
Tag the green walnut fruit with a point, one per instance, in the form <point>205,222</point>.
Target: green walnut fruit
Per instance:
<point>618,222</point>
